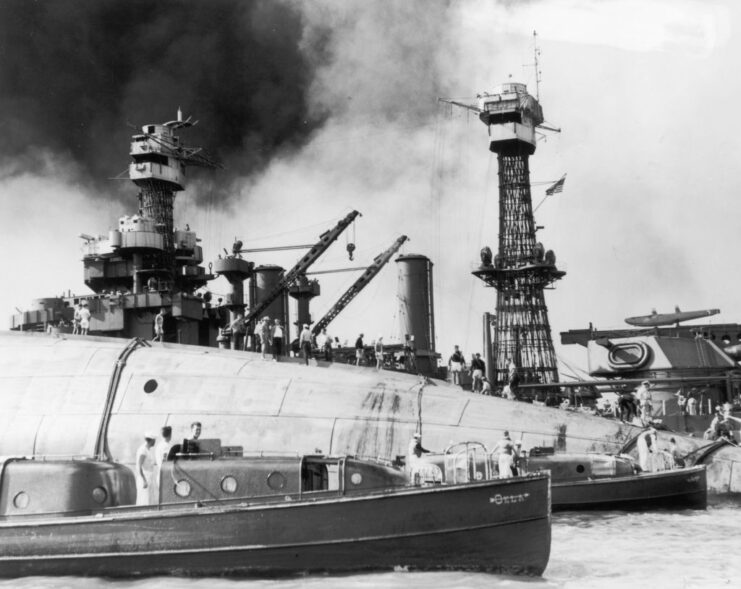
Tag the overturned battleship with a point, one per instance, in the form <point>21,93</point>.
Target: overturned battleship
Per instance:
<point>65,394</point>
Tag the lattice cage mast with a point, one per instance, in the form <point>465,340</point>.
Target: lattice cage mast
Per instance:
<point>522,344</point>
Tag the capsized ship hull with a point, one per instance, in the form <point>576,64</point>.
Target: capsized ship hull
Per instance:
<point>55,392</point>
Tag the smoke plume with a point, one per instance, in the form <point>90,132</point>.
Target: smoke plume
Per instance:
<point>73,74</point>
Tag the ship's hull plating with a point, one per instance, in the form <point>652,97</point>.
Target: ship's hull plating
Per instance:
<point>501,526</point>
<point>55,390</point>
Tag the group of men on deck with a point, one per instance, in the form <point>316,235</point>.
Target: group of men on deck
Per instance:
<point>152,454</point>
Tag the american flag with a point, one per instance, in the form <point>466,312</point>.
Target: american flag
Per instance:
<point>557,187</point>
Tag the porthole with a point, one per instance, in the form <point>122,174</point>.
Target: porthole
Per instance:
<point>182,488</point>
<point>276,480</point>
<point>356,478</point>
<point>229,484</point>
<point>21,500</point>
<point>99,495</point>
<point>580,468</point>
<point>150,386</point>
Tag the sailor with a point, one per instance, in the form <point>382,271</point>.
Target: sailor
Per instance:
<point>76,320</point>
<point>321,339</point>
<point>159,326</point>
<point>359,350</point>
<point>516,455</point>
<point>84,318</point>
<point>266,337</point>
<point>410,361</point>
<point>675,453</point>
<point>144,471</point>
<point>255,333</point>
<point>414,455</point>
<point>713,432</point>
<point>627,405</point>
<point>485,386</point>
<point>726,424</point>
<point>645,443</point>
<point>681,401</point>
<point>478,367</point>
<point>506,450</point>
<point>277,340</point>
<point>327,346</point>
<point>692,401</point>
<point>378,349</point>
<point>191,446</point>
<point>643,395</point>
<point>162,449</point>
<point>304,341</point>
<point>456,363</point>
<point>508,393</point>
<point>239,330</point>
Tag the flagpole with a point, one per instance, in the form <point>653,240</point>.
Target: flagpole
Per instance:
<point>556,187</point>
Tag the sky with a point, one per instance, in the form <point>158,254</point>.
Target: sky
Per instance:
<point>320,107</point>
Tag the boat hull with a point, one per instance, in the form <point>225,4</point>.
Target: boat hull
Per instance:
<point>500,526</point>
<point>670,489</point>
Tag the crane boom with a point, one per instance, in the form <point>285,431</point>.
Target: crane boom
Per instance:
<point>326,239</point>
<point>370,272</point>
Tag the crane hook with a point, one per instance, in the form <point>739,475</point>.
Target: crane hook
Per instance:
<point>350,250</point>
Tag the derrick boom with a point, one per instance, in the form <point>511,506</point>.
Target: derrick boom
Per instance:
<point>302,265</point>
<point>370,272</point>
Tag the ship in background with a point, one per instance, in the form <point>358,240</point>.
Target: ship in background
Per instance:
<point>147,264</point>
<point>681,361</point>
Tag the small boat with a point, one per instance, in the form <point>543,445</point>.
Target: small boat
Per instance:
<point>583,481</point>
<point>223,513</point>
<point>602,481</point>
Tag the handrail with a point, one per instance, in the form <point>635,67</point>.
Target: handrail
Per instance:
<point>102,451</point>
<point>470,450</point>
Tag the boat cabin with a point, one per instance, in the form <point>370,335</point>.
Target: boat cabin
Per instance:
<point>209,475</point>
<point>577,467</point>
<point>69,487</point>
<point>34,486</point>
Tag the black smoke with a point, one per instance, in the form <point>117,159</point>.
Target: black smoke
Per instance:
<point>74,73</point>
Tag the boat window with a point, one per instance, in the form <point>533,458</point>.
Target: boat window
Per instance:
<point>580,468</point>
<point>99,495</point>
<point>21,500</point>
<point>314,477</point>
<point>276,480</point>
<point>229,484</point>
<point>182,488</point>
<point>150,386</point>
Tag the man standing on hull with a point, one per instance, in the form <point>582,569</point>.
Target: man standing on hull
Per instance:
<point>359,350</point>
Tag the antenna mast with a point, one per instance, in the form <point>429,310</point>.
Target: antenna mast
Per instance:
<point>536,52</point>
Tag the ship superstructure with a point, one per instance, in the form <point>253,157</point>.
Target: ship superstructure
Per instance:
<point>521,348</point>
<point>522,268</point>
<point>159,162</point>
<point>145,264</point>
